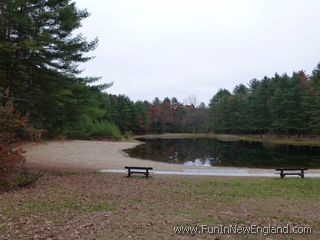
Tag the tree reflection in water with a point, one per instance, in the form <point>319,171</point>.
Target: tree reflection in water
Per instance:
<point>206,152</point>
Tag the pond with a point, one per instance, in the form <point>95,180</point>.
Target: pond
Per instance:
<point>212,152</point>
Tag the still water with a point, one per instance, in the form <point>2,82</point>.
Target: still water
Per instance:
<point>212,152</point>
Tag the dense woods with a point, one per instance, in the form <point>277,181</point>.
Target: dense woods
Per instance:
<point>280,104</point>
<point>39,64</point>
<point>39,58</point>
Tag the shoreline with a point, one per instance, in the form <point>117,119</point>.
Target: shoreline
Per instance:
<point>265,139</point>
<point>86,155</point>
<point>78,155</point>
<point>224,172</point>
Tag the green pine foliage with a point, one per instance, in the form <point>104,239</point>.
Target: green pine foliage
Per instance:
<point>314,101</point>
<point>281,104</point>
<point>39,57</point>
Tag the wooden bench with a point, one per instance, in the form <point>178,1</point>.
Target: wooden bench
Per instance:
<point>139,170</point>
<point>291,171</point>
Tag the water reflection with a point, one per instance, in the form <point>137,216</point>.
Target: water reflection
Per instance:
<point>211,152</point>
<point>198,163</point>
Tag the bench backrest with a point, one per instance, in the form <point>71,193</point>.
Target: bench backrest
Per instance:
<point>291,169</point>
<point>139,168</point>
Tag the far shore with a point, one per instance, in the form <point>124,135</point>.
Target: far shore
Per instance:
<point>267,138</point>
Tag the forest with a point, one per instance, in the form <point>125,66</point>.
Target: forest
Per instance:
<point>40,56</point>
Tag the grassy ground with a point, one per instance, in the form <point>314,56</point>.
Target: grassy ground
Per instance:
<point>112,206</point>
<point>271,139</point>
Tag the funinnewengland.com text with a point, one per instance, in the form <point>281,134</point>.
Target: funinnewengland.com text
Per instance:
<point>239,229</point>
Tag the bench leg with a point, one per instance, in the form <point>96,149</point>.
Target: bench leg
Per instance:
<point>282,174</point>
<point>147,173</point>
<point>129,172</point>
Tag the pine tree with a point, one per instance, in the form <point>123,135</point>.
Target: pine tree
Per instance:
<point>258,112</point>
<point>239,105</point>
<point>314,111</point>
<point>39,60</point>
<point>220,109</point>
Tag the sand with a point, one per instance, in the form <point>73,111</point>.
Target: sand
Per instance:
<point>91,155</point>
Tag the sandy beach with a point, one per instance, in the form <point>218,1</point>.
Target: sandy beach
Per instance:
<point>91,155</point>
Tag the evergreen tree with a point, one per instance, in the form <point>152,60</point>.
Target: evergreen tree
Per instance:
<point>39,61</point>
<point>220,111</point>
<point>314,101</point>
<point>239,101</point>
<point>258,110</point>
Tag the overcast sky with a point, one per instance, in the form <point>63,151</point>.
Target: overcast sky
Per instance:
<point>177,48</point>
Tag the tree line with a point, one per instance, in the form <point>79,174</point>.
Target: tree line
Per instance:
<point>281,104</point>
<point>158,116</point>
<point>39,68</point>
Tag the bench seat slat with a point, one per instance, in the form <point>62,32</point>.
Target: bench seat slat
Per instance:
<point>291,169</point>
<point>140,168</point>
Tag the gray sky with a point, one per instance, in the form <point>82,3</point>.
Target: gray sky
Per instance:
<point>178,48</point>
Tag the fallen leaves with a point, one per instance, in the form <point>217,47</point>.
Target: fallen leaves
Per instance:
<point>112,206</point>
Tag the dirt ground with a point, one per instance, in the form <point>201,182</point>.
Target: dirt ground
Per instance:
<point>65,205</point>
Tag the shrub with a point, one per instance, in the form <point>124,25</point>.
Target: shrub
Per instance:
<point>12,172</point>
<point>25,177</point>
<point>87,128</point>
<point>10,157</point>
<point>10,121</point>
<point>10,161</point>
<point>83,128</point>
<point>128,134</point>
<point>107,129</point>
